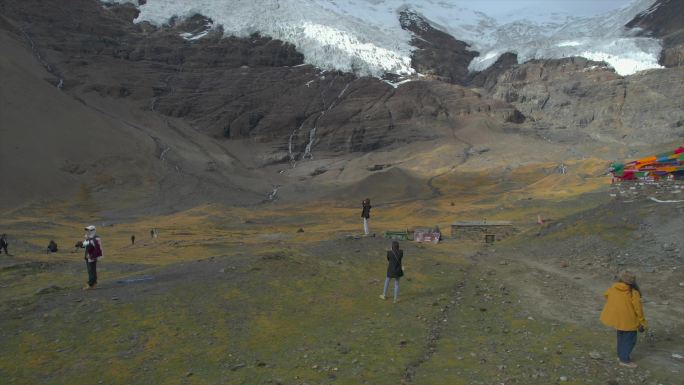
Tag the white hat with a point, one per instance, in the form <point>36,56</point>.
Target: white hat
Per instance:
<point>90,228</point>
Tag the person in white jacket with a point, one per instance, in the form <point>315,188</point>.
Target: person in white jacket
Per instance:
<point>93,250</point>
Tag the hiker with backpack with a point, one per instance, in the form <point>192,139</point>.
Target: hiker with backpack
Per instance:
<point>623,311</point>
<point>93,250</point>
<point>394,270</point>
<point>365,214</point>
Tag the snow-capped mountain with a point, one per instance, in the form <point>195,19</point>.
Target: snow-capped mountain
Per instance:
<point>176,96</point>
<point>365,36</point>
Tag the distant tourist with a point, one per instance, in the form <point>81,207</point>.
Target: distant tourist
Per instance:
<point>365,214</point>
<point>394,270</point>
<point>132,239</point>
<point>52,247</point>
<point>93,250</point>
<point>3,244</point>
<point>623,311</point>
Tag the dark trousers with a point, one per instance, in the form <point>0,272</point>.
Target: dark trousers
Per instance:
<point>92,272</point>
<point>4,247</point>
<point>625,344</point>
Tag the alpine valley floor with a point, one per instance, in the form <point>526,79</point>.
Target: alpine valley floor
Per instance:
<point>237,295</point>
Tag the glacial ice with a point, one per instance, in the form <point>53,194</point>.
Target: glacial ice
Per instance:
<point>365,37</point>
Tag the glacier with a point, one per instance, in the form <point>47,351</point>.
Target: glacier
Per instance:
<point>365,37</point>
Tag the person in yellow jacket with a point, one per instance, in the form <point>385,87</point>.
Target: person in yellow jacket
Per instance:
<point>623,312</point>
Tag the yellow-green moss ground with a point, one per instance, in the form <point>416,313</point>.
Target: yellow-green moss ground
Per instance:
<point>239,296</point>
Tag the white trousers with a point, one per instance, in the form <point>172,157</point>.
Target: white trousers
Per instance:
<point>365,226</point>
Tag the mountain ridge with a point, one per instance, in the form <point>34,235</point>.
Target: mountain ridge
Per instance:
<point>229,118</point>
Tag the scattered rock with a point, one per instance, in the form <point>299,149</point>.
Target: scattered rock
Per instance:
<point>564,264</point>
<point>115,298</point>
<point>319,171</point>
<point>48,290</point>
<point>669,247</point>
<point>189,373</point>
<point>649,269</point>
<point>236,367</point>
<point>563,378</point>
<point>274,256</point>
<point>595,355</point>
<point>301,230</point>
<point>378,167</point>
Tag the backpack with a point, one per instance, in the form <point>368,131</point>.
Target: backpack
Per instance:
<point>94,249</point>
<point>98,248</point>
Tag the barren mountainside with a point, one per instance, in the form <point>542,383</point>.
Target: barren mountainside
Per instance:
<point>240,113</point>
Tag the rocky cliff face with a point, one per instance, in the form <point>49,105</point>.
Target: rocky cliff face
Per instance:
<point>664,20</point>
<point>574,99</point>
<point>437,53</point>
<point>254,87</point>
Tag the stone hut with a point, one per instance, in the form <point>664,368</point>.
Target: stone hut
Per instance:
<point>481,231</point>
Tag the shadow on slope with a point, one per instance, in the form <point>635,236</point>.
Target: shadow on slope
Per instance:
<point>386,186</point>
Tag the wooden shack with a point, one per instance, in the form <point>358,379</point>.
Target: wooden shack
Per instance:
<point>481,231</point>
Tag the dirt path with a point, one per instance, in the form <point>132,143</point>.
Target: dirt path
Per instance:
<point>570,295</point>
<point>436,329</point>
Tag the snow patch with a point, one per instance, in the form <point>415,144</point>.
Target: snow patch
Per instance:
<point>397,84</point>
<point>569,43</point>
<point>624,64</point>
<point>347,50</point>
<point>190,36</point>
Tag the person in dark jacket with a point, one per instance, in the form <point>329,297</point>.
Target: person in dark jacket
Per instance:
<point>365,214</point>
<point>3,244</point>
<point>93,251</point>
<point>394,270</point>
<point>52,246</point>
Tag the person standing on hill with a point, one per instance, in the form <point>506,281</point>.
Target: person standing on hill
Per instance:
<point>365,214</point>
<point>52,247</point>
<point>623,311</point>
<point>394,270</point>
<point>93,251</point>
<point>3,244</point>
